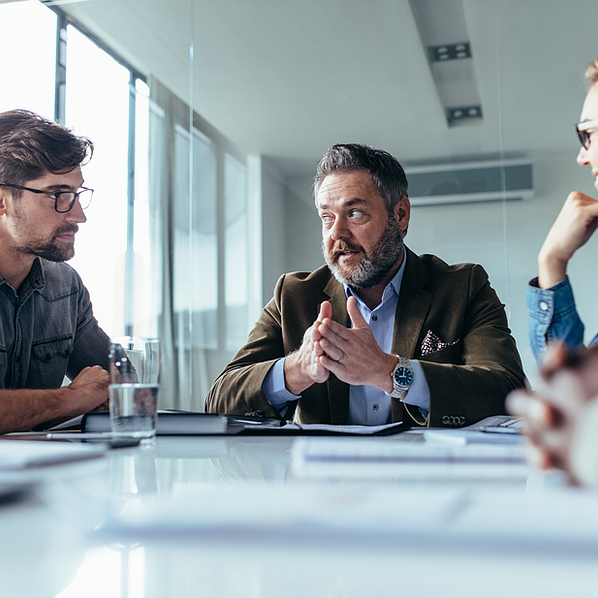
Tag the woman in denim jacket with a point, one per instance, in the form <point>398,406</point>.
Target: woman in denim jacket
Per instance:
<point>550,303</point>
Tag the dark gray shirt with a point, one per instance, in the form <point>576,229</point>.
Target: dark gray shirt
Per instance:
<point>48,330</point>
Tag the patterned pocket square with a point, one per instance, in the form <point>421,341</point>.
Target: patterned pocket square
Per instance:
<point>433,343</point>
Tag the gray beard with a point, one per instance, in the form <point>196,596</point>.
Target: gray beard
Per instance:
<point>372,269</point>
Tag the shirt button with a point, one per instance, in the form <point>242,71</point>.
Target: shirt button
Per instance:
<point>375,407</point>
<point>543,305</point>
<point>375,318</point>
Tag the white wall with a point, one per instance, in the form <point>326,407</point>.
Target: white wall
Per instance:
<point>274,216</point>
<point>473,233</point>
<point>304,232</point>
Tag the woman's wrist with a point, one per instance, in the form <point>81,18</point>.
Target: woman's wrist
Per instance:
<point>551,270</point>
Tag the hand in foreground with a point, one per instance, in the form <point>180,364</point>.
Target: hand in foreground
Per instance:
<point>551,416</point>
<point>575,224</point>
<point>352,354</point>
<point>89,390</point>
<point>303,367</point>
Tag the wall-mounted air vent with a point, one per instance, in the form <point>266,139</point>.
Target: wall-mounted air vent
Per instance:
<point>470,182</point>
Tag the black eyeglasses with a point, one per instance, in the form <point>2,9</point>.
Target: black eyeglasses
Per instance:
<point>585,136</point>
<point>63,200</point>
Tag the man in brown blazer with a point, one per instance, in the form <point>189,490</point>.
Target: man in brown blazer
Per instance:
<point>378,334</point>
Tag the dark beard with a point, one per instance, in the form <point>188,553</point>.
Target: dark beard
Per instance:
<point>372,269</point>
<point>51,251</point>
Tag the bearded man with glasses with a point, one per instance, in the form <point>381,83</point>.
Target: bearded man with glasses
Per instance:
<point>47,326</point>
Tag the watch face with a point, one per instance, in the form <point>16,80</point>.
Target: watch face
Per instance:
<point>404,376</point>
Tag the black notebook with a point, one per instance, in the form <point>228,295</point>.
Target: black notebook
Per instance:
<point>170,423</point>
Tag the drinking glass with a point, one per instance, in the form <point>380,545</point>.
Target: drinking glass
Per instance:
<point>134,386</point>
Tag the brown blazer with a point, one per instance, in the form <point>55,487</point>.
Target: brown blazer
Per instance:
<point>448,318</point>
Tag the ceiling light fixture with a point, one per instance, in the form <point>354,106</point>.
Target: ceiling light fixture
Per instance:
<point>449,52</point>
<point>442,28</point>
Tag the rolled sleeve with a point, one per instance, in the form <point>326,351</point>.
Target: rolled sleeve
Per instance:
<point>552,316</point>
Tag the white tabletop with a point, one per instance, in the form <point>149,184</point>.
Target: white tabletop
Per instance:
<point>239,517</point>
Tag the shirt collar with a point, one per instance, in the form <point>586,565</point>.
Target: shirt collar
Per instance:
<point>36,274</point>
<point>35,277</point>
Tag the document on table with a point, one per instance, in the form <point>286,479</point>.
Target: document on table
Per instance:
<point>497,429</point>
<point>463,437</point>
<point>375,450</point>
<point>350,430</point>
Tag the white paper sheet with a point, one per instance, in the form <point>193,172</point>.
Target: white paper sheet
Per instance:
<point>381,450</point>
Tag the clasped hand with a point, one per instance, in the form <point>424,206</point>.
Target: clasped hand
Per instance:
<point>351,354</point>
<point>551,415</point>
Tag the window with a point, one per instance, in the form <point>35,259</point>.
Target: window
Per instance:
<point>97,106</point>
<point>165,248</point>
<point>28,82</point>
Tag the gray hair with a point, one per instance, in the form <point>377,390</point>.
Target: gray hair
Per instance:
<point>387,173</point>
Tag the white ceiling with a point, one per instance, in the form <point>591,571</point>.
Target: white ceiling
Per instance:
<point>288,78</point>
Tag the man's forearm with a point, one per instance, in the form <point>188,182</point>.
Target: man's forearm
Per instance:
<point>23,409</point>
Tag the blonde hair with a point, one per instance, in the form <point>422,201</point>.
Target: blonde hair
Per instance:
<point>591,74</point>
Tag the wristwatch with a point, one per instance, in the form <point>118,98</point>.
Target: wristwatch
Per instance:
<point>402,378</point>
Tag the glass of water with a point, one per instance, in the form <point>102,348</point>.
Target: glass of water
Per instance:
<point>134,385</point>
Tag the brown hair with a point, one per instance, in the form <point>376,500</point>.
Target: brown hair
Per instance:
<point>30,146</point>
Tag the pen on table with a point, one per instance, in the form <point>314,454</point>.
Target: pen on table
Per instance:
<point>500,430</point>
<point>107,437</point>
<point>79,436</point>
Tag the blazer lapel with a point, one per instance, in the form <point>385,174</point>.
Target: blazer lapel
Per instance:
<point>412,308</point>
<point>338,392</point>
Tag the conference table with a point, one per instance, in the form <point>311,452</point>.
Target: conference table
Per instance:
<point>250,516</point>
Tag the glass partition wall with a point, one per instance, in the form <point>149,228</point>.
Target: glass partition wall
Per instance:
<point>209,119</point>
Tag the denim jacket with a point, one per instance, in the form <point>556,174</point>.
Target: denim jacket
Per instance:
<point>553,316</point>
<point>48,329</point>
